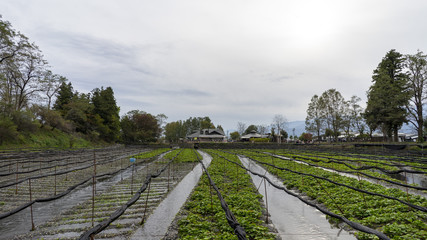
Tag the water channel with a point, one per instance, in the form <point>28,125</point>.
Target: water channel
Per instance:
<point>419,179</point>
<point>158,222</point>
<point>293,219</point>
<point>20,222</point>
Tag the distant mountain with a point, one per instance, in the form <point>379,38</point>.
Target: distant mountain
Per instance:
<point>299,128</point>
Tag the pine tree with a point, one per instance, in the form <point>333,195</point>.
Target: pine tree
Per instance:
<point>388,95</point>
<point>106,108</point>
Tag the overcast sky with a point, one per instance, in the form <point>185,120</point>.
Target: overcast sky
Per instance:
<point>231,60</point>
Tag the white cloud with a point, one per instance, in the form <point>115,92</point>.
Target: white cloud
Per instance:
<point>235,60</point>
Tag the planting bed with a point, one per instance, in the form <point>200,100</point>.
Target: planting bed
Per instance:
<point>73,223</point>
<point>101,194</point>
<point>204,215</point>
<point>48,185</point>
<point>392,212</point>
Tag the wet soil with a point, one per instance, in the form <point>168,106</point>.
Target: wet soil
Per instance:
<point>292,218</point>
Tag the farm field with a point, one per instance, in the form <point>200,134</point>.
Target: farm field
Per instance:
<point>121,193</point>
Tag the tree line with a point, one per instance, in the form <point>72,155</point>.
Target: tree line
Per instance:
<point>34,98</point>
<point>177,131</point>
<point>397,96</point>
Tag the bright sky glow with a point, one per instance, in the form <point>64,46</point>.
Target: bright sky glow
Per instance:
<point>237,60</point>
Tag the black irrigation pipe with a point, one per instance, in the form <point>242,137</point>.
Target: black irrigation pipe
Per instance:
<point>363,167</point>
<point>44,168</point>
<point>58,165</point>
<point>16,210</point>
<point>365,156</point>
<point>420,208</point>
<point>352,224</point>
<point>238,229</point>
<point>57,196</point>
<point>86,152</point>
<point>383,158</point>
<point>104,224</point>
<point>339,161</point>
<point>353,172</point>
<point>61,173</point>
<point>367,160</point>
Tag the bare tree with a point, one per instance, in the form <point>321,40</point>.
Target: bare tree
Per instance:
<point>241,127</point>
<point>23,75</point>
<point>333,110</point>
<point>51,84</point>
<point>279,123</point>
<point>161,119</point>
<point>315,122</point>
<point>417,80</point>
<point>262,129</point>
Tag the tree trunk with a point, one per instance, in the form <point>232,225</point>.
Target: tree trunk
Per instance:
<point>396,134</point>
<point>420,128</point>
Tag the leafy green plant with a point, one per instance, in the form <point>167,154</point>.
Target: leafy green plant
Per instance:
<point>206,219</point>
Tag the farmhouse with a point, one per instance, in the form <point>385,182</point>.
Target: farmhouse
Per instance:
<point>207,135</point>
<point>253,134</point>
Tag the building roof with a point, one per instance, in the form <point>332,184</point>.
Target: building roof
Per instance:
<point>253,134</point>
<point>207,133</point>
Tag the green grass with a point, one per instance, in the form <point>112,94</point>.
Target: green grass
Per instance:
<point>46,138</point>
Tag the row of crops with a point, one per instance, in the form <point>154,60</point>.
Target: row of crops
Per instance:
<point>392,211</point>
<point>47,177</point>
<point>358,192</point>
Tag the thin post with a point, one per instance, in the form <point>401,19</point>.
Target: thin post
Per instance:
<point>94,171</point>
<point>16,178</point>
<point>407,192</point>
<point>146,203</point>
<point>121,169</point>
<point>31,207</point>
<point>266,199</point>
<point>131,181</point>
<point>55,181</point>
<point>360,186</point>
<point>169,171</point>
<point>237,175</point>
<point>93,198</point>
<point>210,190</point>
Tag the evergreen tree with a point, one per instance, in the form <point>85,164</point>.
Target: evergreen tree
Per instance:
<point>388,95</point>
<point>106,108</point>
<point>64,96</point>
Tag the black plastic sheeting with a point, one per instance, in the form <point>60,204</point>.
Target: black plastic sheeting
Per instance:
<point>60,195</point>
<point>238,229</point>
<point>420,208</point>
<point>365,167</point>
<point>352,224</point>
<point>60,172</point>
<point>353,172</point>
<point>57,196</point>
<point>44,168</point>
<point>104,224</point>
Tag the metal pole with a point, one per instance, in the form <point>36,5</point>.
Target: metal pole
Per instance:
<point>169,171</point>
<point>131,182</point>
<point>55,181</point>
<point>94,171</point>
<point>16,174</point>
<point>146,203</point>
<point>266,199</point>
<point>93,198</point>
<point>31,207</point>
